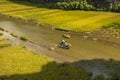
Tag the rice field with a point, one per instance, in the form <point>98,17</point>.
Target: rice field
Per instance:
<point>17,63</point>
<point>70,20</point>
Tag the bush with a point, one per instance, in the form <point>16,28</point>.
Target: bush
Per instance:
<point>24,38</point>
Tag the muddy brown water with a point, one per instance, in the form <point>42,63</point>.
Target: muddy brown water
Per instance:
<point>81,48</point>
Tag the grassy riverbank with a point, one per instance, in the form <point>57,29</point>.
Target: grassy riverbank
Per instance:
<point>69,20</point>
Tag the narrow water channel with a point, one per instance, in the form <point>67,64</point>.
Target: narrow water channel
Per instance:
<point>81,48</point>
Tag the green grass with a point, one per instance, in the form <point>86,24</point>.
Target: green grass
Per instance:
<point>69,20</point>
<point>24,38</point>
<point>17,63</point>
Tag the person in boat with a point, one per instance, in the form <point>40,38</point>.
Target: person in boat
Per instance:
<point>64,44</point>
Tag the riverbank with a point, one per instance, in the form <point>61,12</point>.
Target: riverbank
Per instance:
<point>109,35</point>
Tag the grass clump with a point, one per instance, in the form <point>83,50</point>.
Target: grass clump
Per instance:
<point>24,38</point>
<point>12,34</point>
<point>5,45</point>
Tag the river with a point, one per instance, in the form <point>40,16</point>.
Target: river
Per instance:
<point>81,48</point>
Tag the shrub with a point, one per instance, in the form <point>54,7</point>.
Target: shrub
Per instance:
<point>24,38</point>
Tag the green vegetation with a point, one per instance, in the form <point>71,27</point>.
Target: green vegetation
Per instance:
<point>19,63</point>
<point>17,60</point>
<point>89,5</point>
<point>75,5</point>
<point>14,35</point>
<point>24,38</point>
<point>97,5</point>
<point>68,20</point>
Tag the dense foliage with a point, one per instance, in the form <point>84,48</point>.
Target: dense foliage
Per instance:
<point>87,5</point>
<point>97,5</point>
<point>74,5</point>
